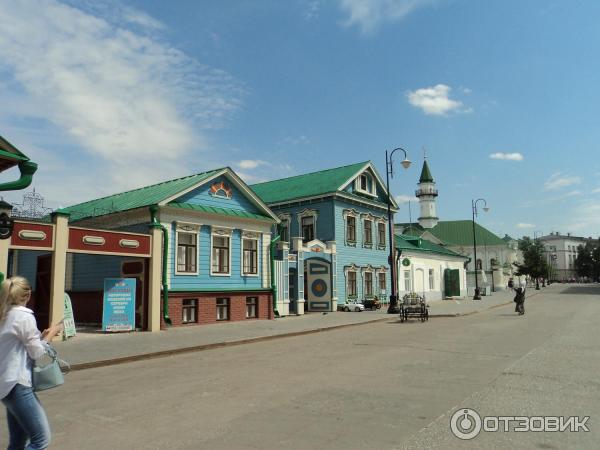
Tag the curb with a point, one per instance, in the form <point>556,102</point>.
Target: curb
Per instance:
<point>198,348</point>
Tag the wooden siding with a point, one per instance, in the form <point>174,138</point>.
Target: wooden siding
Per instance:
<point>358,255</point>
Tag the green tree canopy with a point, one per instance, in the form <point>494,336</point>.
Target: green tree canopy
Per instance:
<point>587,263</point>
<point>534,260</point>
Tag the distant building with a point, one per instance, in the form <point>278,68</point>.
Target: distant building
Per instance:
<point>561,253</point>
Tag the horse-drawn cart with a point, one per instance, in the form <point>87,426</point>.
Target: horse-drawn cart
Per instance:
<point>413,305</point>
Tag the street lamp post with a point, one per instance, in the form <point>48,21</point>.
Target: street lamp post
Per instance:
<point>537,279</point>
<point>389,171</point>
<point>477,295</point>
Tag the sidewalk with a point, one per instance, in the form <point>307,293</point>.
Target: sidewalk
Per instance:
<point>96,349</point>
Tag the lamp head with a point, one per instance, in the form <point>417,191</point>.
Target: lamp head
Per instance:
<point>406,163</point>
<point>486,209</point>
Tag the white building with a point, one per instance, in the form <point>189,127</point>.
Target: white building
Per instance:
<point>561,253</point>
<point>428,269</point>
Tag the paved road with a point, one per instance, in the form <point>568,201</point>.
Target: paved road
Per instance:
<point>379,386</point>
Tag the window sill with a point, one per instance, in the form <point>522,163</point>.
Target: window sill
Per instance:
<point>368,245</point>
<point>351,243</point>
<point>188,274</point>
<point>220,274</point>
<point>381,247</point>
<point>253,275</point>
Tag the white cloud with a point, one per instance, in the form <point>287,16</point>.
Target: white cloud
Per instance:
<point>507,156</point>
<point>525,225</point>
<point>113,87</point>
<point>557,181</point>
<point>311,9</point>
<point>435,100</point>
<point>596,191</point>
<point>400,199</point>
<point>368,15</point>
<point>585,218</point>
<point>251,163</point>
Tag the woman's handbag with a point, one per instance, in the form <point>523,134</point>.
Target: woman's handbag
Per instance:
<point>50,375</point>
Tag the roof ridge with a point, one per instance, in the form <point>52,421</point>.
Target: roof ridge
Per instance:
<point>311,173</point>
<point>144,187</point>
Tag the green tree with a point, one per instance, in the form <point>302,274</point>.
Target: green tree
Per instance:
<point>534,259</point>
<point>584,263</point>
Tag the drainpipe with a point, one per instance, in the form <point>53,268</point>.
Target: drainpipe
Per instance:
<point>165,291</point>
<point>27,169</point>
<point>273,284</point>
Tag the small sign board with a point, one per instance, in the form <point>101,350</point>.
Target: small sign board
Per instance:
<point>118,313</point>
<point>69,320</point>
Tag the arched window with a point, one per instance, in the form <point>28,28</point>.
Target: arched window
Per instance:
<point>478,265</point>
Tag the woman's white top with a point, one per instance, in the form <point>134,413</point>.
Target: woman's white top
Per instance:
<point>20,342</point>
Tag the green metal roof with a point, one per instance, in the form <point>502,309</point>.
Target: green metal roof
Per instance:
<point>136,198</point>
<point>306,185</point>
<point>220,211</point>
<point>455,232</point>
<point>410,229</point>
<point>460,232</point>
<point>425,174</point>
<point>413,243</point>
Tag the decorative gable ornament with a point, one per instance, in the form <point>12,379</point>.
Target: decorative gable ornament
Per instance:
<point>221,189</point>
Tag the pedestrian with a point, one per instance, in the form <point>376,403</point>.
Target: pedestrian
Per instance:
<point>520,300</point>
<point>511,284</point>
<point>20,344</point>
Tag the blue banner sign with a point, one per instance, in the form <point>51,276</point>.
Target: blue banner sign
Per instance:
<point>118,312</point>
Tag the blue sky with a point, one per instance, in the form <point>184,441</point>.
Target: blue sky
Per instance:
<point>111,95</point>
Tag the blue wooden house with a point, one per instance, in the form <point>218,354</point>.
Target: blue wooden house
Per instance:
<point>216,250</point>
<point>334,237</point>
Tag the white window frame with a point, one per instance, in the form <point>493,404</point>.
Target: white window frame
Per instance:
<point>351,213</point>
<point>364,271</point>
<point>193,307</point>
<point>227,309</point>
<point>431,275</point>
<point>383,272</point>
<point>358,187</point>
<point>308,213</point>
<point>255,316</point>
<point>385,239</point>
<point>286,222</point>
<point>189,228</point>
<point>367,218</point>
<point>407,279</point>
<point>354,269</point>
<point>220,232</point>
<point>250,236</point>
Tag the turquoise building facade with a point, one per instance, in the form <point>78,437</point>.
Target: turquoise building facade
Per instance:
<point>334,237</point>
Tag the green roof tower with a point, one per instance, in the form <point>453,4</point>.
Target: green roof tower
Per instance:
<point>426,194</point>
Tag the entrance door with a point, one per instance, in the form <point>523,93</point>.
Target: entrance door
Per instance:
<point>41,306</point>
<point>420,281</point>
<point>318,285</point>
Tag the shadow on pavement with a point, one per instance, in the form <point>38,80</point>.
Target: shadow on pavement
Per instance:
<point>582,290</point>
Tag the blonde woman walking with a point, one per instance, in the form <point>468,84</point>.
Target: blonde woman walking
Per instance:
<point>20,344</point>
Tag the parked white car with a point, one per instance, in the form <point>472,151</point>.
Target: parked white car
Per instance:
<point>358,307</point>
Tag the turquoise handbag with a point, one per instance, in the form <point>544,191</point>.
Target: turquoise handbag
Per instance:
<point>51,374</point>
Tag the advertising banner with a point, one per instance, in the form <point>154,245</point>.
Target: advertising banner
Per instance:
<point>69,321</point>
<point>118,313</point>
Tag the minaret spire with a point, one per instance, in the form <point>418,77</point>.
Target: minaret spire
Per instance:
<point>427,193</point>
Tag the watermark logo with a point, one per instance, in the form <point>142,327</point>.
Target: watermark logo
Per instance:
<point>466,424</point>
